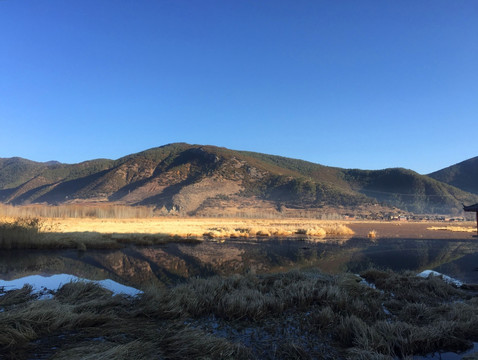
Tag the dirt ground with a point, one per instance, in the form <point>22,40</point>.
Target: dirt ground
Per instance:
<point>415,230</point>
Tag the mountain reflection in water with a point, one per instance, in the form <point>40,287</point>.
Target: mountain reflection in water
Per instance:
<point>174,263</point>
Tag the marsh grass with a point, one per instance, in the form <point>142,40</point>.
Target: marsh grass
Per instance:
<point>269,230</point>
<point>104,211</point>
<point>103,350</point>
<point>295,315</point>
<point>37,233</point>
<point>84,234</point>
<point>19,232</point>
<point>17,296</point>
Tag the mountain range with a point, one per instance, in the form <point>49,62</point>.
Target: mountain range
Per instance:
<point>207,180</point>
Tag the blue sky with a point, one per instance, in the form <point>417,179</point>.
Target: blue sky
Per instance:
<point>355,84</point>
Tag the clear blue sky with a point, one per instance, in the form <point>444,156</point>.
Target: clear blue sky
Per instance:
<point>356,84</point>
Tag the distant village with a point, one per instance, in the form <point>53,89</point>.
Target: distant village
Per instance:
<point>406,217</point>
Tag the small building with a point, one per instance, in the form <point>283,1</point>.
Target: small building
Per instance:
<point>473,208</point>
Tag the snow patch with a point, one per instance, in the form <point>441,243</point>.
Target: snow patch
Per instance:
<point>448,279</point>
<point>42,284</point>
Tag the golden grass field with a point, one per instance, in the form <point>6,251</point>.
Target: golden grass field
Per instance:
<point>199,227</point>
<point>88,233</point>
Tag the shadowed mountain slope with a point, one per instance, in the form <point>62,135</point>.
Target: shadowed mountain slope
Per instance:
<point>463,175</point>
<point>15,171</point>
<point>408,190</point>
<point>199,180</point>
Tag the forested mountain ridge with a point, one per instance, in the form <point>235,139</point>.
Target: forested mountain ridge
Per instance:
<point>196,179</point>
<point>463,175</point>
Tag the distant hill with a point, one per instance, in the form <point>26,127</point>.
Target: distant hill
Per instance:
<point>409,190</point>
<point>463,175</point>
<point>208,180</point>
<point>15,171</point>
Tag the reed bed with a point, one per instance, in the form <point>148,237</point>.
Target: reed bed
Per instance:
<point>199,227</point>
<point>295,315</point>
<point>36,233</point>
<point>111,210</point>
<point>101,211</point>
<point>95,233</point>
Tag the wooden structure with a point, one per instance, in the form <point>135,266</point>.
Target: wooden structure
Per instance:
<point>475,209</point>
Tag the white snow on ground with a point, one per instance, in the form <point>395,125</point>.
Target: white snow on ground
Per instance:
<point>366,283</point>
<point>42,283</point>
<point>449,280</point>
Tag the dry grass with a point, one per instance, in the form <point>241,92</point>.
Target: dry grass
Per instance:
<point>20,232</point>
<point>372,234</point>
<point>197,227</point>
<point>93,210</point>
<point>454,228</point>
<point>279,316</point>
<point>406,315</point>
<point>36,233</point>
<point>87,233</point>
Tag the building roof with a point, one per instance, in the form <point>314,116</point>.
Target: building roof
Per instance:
<point>471,208</point>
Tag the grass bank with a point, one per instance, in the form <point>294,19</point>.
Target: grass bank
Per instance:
<point>294,315</point>
<point>94,233</point>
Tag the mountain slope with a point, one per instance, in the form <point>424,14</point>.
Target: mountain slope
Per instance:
<point>193,179</point>
<point>463,175</point>
<point>15,171</point>
<point>408,190</point>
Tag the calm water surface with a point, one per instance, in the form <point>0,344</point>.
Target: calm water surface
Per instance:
<point>174,263</point>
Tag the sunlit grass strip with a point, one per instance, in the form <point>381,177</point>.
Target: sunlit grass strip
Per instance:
<point>454,228</point>
<point>185,227</point>
<point>274,231</point>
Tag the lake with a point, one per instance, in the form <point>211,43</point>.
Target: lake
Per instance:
<point>174,263</point>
